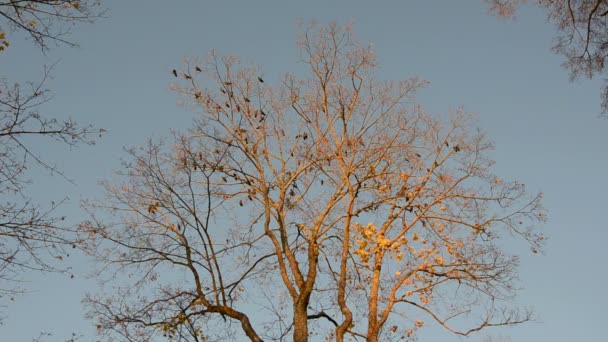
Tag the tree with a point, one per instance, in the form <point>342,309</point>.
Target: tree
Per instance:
<point>582,27</point>
<point>29,231</point>
<point>45,21</point>
<point>332,203</point>
<point>32,235</point>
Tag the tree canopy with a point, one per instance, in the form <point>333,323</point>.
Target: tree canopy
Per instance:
<point>330,205</point>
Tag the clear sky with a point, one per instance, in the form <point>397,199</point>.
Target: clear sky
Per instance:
<point>546,129</point>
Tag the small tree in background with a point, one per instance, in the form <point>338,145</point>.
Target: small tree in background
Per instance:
<point>32,235</point>
<point>582,27</point>
<point>45,21</point>
<point>331,203</point>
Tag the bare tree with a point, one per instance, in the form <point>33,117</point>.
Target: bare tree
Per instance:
<point>361,214</point>
<point>29,232</point>
<point>45,21</point>
<point>32,235</point>
<point>582,27</point>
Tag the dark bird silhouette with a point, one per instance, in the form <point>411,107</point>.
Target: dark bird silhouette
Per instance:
<point>260,79</point>
<point>247,99</point>
<point>456,148</point>
<point>174,72</point>
<point>188,77</point>
<point>153,208</point>
<point>198,69</point>
<point>305,136</point>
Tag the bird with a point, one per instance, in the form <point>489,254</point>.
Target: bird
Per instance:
<point>198,69</point>
<point>260,79</point>
<point>153,208</point>
<point>174,72</point>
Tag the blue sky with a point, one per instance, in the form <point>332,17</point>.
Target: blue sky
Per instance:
<point>546,129</point>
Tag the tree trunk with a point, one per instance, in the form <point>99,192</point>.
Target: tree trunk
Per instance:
<point>372,336</point>
<point>300,322</point>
